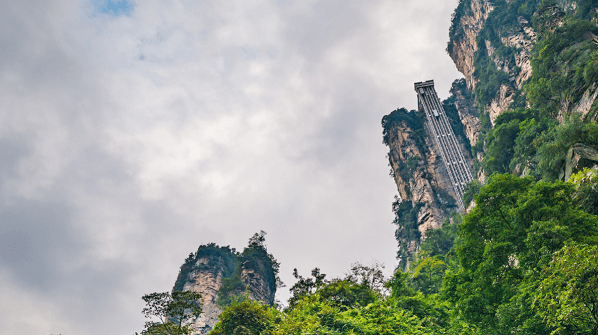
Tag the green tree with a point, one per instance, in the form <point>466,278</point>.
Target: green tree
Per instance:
<point>369,277</point>
<point>431,310</point>
<point>502,139</point>
<point>506,240</point>
<point>173,312</point>
<point>428,275</point>
<point>306,286</point>
<point>586,182</point>
<point>471,189</point>
<point>246,317</point>
<point>526,145</point>
<point>567,298</point>
<point>554,144</point>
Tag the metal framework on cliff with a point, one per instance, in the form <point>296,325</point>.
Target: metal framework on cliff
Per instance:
<point>440,129</point>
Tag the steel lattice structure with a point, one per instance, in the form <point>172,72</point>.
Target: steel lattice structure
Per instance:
<point>438,126</point>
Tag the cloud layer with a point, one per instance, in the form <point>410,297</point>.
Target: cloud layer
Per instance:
<point>129,138</point>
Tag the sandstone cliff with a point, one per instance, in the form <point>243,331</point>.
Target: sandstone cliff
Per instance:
<point>426,195</point>
<point>468,20</point>
<point>492,43</point>
<point>259,290</point>
<point>469,114</point>
<point>505,51</point>
<point>218,273</point>
<point>205,278</point>
<point>495,45</point>
<point>419,175</point>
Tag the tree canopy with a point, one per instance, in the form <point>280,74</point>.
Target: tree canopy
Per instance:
<point>169,313</point>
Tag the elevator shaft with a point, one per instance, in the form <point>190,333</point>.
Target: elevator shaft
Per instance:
<point>439,128</point>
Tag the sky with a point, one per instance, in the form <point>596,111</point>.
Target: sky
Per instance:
<point>131,132</point>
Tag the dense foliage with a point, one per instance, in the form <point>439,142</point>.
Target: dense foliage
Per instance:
<point>508,240</point>
<point>523,261</point>
<point>525,142</point>
<point>356,304</point>
<point>565,66</point>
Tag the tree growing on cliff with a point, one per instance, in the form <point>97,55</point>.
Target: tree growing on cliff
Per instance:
<point>511,248</point>
<point>172,311</point>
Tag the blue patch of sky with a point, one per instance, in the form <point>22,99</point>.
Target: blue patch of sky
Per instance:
<point>113,7</point>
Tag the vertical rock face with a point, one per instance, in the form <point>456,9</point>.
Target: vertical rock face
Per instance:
<point>492,47</point>
<point>468,40</point>
<point>427,176</point>
<point>403,146</point>
<point>426,193</point>
<point>469,114</point>
<point>259,289</point>
<point>587,100</point>
<point>495,61</point>
<point>463,44</point>
<point>205,272</point>
<point>500,103</point>
<point>206,279</point>
<point>492,44</point>
<point>523,41</point>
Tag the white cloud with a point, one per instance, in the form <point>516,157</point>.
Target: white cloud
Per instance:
<point>128,141</point>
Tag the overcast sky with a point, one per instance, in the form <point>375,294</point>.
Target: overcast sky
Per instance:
<point>133,132</point>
